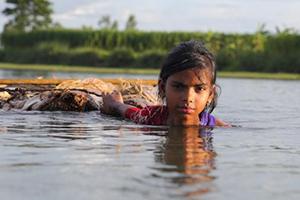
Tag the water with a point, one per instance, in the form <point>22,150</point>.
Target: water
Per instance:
<point>64,155</point>
<point>12,74</point>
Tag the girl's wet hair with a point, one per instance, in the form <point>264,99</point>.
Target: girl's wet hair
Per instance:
<point>188,55</point>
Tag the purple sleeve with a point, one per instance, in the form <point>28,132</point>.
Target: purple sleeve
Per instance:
<point>207,119</point>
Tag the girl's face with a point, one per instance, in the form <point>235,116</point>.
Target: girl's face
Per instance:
<point>187,93</point>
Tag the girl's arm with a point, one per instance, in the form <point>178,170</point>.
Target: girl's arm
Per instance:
<point>220,122</point>
<point>113,104</point>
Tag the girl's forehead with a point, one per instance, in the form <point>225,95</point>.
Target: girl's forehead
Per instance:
<point>201,75</point>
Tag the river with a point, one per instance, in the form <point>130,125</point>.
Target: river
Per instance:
<point>69,155</point>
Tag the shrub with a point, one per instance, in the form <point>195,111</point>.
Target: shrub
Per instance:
<point>225,61</point>
<point>87,56</point>
<point>19,56</point>
<point>151,58</point>
<point>121,57</point>
<point>51,53</point>
<point>2,55</point>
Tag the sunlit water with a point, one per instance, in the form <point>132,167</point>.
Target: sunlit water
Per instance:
<point>69,155</point>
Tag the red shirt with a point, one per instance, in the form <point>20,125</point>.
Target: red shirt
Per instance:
<point>151,115</point>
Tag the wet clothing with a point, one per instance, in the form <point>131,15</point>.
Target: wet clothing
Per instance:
<point>158,115</point>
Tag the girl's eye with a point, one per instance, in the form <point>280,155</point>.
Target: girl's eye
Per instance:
<point>199,88</point>
<point>177,86</point>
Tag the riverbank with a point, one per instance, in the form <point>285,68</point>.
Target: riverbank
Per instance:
<point>110,70</point>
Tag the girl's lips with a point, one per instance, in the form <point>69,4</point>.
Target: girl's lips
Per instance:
<point>185,110</point>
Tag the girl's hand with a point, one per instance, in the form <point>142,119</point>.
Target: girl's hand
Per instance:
<point>111,102</point>
<point>220,122</point>
<point>115,96</point>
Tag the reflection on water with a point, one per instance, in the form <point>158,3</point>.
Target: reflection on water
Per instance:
<point>189,152</point>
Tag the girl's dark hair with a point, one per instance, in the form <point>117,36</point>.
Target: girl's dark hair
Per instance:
<point>187,55</point>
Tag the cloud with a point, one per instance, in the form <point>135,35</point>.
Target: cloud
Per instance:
<point>87,10</point>
<point>89,14</point>
<point>188,15</point>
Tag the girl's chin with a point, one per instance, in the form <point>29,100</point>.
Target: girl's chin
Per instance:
<point>185,125</point>
<point>185,122</point>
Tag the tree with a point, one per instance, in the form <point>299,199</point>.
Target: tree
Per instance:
<point>56,25</point>
<point>28,15</point>
<point>261,29</point>
<point>131,23</point>
<point>105,23</point>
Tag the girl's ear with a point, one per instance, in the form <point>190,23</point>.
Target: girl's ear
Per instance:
<point>161,88</point>
<point>212,94</point>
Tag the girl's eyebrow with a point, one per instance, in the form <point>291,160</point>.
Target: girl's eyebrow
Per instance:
<point>181,83</point>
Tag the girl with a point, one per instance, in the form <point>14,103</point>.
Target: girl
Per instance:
<point>186,85</point>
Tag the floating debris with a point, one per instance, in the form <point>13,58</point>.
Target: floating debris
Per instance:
<point>73,95</point>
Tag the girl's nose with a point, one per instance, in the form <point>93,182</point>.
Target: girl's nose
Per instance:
<point>189,95</point>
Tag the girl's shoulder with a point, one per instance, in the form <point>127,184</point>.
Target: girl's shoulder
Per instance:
<point>207,119</point>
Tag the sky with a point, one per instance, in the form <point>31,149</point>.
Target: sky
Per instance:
<point>238,16</point>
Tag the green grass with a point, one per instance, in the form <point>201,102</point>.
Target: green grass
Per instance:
<point>103,70</point>
<point>260,75</point>
<point>82,69</point>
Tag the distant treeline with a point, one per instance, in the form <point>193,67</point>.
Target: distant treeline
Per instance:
<point>262,52</point>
